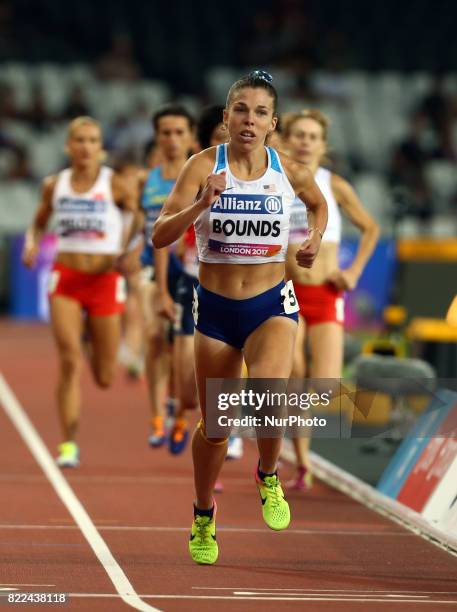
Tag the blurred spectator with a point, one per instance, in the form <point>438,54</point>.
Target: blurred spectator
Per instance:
<point>302,65</point>
<point>282,37</point>
<point>21,169</point>
<point>114,134</point>
<point>119,62</point>
<point>129,135</point>
<point>6,141</point>
<point>38,114</point>
<point>407,172</point>
<point>261,48</point>
<point>293,20</point>
<point>10,152</point>
<point>8,105</point>
<point>76,105</point>
<point>331,83</point>
<point>436,106</point>
<point>7,42</point>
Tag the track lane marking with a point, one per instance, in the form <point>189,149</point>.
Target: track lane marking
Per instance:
<point>374,599</point>
<point>42,456</point>
<point>337,598</point>
<point>307,590</point>
<point>22,584</point>
<point>289,593</point>
<point>245,530</point>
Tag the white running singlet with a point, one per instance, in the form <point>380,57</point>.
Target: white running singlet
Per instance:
<point>87,222</point>
<point>299,216</point>
<point>249,222</point>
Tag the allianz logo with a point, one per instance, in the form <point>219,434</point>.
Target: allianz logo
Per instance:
<point>239,203</point>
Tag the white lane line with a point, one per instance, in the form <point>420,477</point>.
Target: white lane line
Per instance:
<point>327,591</point>
<point>289,593</point>
<point>42,456</point>
<point>23,584</point>
<point>334,599</point>
<point>244,530</point>
<point>133,480</point>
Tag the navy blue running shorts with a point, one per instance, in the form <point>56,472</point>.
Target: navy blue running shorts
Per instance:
<point>233,321</point>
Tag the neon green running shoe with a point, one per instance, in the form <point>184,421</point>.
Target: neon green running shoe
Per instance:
<point>202,543</point>
<point>68,454</point>
<point>275,509</point>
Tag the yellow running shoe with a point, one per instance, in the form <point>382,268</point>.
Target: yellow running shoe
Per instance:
<point>275,509</point>
<point>68,454</point>
<point>202,543</point>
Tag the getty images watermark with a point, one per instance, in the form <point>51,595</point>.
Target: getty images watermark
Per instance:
<point>262,402</point>
<point>269,407</point>
<point>392,408</point>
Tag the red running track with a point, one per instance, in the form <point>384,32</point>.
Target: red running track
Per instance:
<point>337,555</point>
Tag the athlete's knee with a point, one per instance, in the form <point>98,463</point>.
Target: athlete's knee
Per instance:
<point>156,343</point>
<point>104,376</point>
<point>70,362</point>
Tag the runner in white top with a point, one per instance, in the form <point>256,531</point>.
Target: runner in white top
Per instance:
<point>90,221</point>
<point>239,196</point>
<point>87,199</point>
<point>249,223</point>
<point>320,289</point>
<point>299,217</point>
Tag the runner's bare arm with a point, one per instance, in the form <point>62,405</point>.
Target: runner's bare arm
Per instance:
<point>165,305</point>
<point>126,196</point>
<point>357,214</point>
<point>309,193</point>
<point>40,221</point>
<point>182,207</point>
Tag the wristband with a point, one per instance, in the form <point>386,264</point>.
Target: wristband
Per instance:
<point>311,229</point>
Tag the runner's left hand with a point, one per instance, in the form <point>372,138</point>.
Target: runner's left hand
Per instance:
<point>308,250</point>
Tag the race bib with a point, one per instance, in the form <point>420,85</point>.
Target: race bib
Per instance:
<point>246,225</point>
<point>289,298</point>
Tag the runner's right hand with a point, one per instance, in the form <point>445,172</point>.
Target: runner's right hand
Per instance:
<point>215,185</point>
